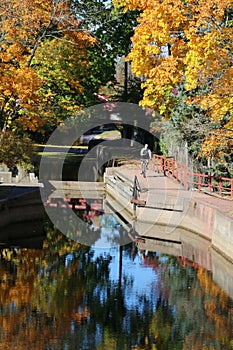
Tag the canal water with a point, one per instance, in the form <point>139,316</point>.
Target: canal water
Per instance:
<point>57,294</point>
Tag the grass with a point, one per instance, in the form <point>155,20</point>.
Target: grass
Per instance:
<point>109,135</point>
<point>59,154</point>
<point>60,146</point>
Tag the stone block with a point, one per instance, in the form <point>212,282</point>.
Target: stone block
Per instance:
<point>5,176</point>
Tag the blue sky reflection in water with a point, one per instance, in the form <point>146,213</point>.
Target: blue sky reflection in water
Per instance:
<point>68,296</point>
<point>143,280</point>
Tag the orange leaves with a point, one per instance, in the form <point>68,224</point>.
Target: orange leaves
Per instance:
<point>26,84</point>
<point>25,26</point>
<point>24,18</point>
<point>18,94</point>
<point>159,84</point>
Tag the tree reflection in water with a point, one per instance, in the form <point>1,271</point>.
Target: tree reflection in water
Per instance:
<point>68,296</point>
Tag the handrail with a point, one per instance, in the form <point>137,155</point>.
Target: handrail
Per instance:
<point>181,173</point>
<point>136,187</point>
<point>136,193</point>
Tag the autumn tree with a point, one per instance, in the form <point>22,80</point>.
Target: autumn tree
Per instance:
<point>187,44</point>
<point>54,55</point>
<point>41,44</point>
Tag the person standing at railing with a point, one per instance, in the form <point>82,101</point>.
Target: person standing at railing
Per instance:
<point>145,155</point>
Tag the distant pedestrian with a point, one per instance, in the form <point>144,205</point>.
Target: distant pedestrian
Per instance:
<point>145,154</point>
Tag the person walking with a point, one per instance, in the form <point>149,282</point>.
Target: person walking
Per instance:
<point>145,155</point>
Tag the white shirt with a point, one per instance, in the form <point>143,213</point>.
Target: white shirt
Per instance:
<point>148,156</point>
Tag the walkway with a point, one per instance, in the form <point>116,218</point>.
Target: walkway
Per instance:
<point>156,184</point>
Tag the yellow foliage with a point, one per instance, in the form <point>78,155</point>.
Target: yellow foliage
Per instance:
<point>198,38</point>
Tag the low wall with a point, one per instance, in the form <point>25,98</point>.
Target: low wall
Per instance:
<point>205,216</point>
<point>214,225</point>
<point>5,176</point>
<point>20,176</point>
<point>222,273</point>
<point>222,238</point>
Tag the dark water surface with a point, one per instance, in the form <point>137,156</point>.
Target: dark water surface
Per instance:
<point>68,296</point>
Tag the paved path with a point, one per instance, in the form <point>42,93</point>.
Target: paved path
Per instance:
<point>156,183</point>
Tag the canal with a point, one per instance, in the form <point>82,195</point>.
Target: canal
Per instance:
<point>57,294</point>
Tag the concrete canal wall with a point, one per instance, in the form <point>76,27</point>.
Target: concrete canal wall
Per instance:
<point>213,225</point>
<point>222,237</point>
<point>22,205</point>
<point>168,218</point>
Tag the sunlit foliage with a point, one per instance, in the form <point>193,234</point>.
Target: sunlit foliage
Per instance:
<point>35,35</point>
<point>190,43</point>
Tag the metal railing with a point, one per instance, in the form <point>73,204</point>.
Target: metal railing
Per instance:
<point>136,193</point>
<point>202,182</point>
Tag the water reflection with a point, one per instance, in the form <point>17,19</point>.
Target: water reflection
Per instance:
<point>87,222</point>
<point>69,296</point>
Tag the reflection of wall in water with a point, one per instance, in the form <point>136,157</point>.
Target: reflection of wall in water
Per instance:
<point>21,205</point>
<point>27,234</point>
<point>222,272</point>
<point>192,247</point>
<point>196,250</point>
